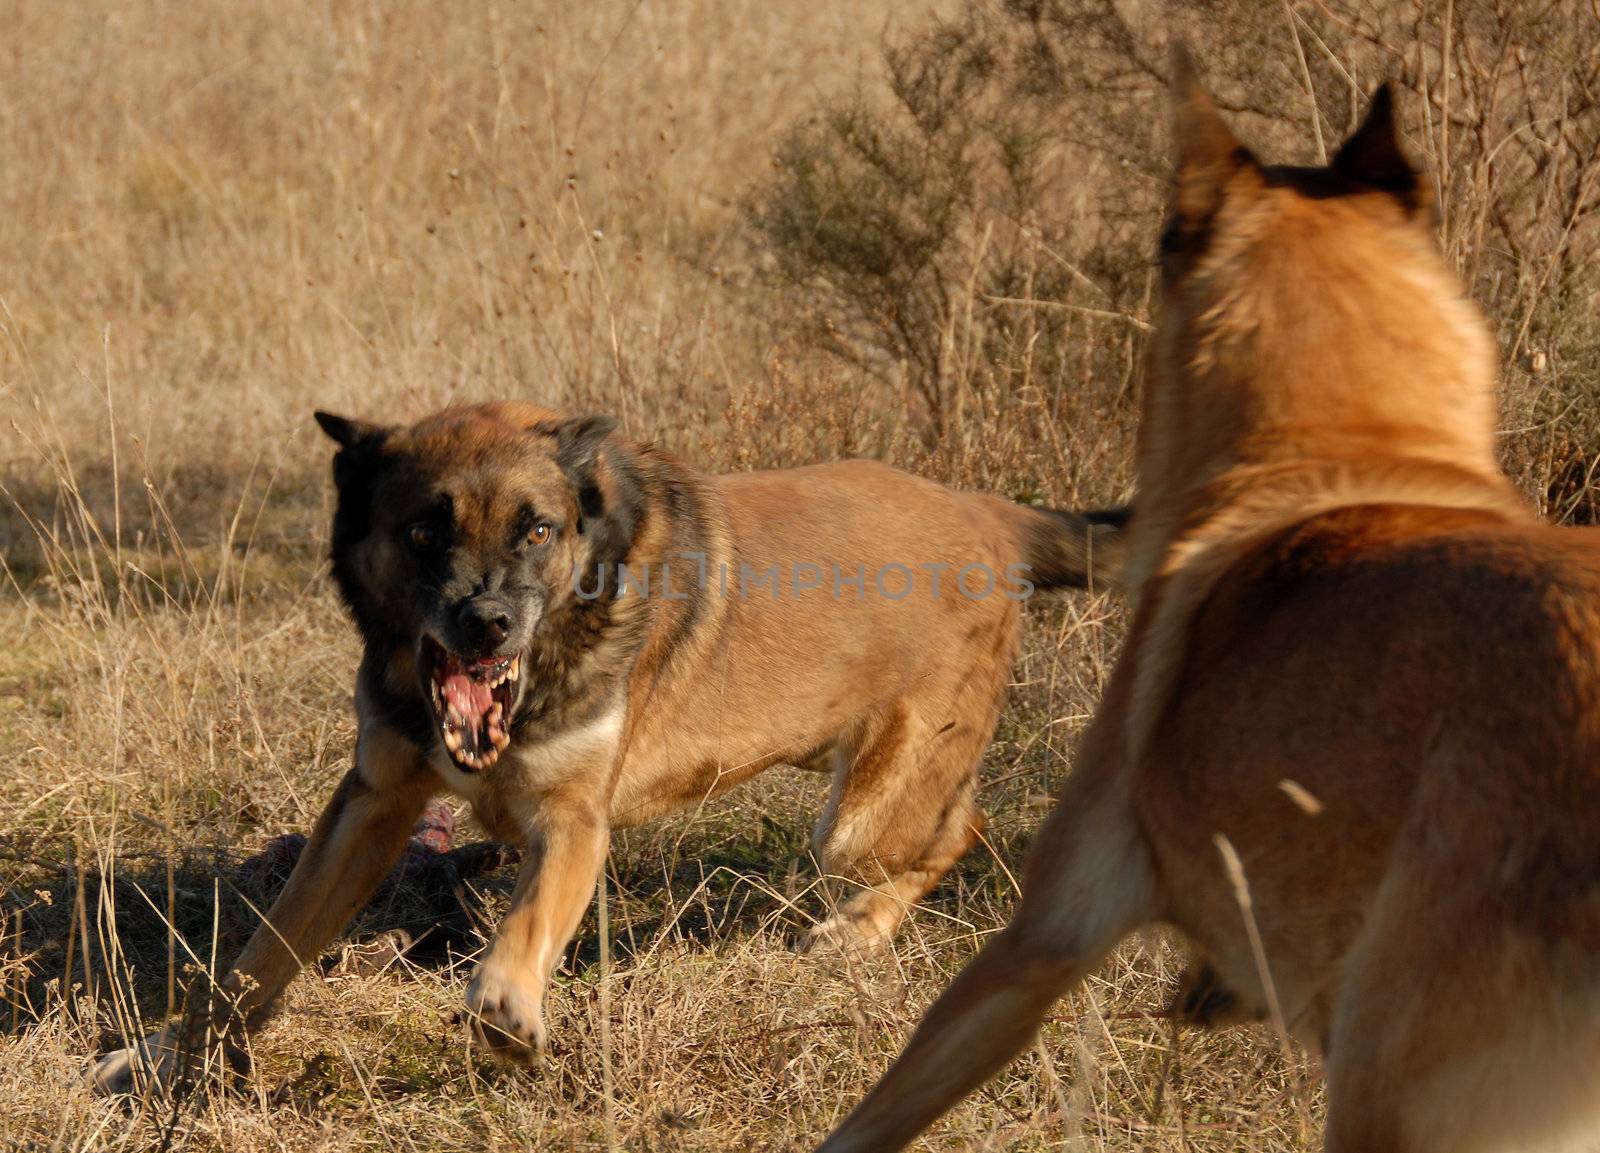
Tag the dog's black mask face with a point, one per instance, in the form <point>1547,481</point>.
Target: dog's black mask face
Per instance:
<point>479,573</point>
<point>454,540</point>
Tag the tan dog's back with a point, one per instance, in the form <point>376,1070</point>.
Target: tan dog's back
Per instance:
<point>1444,727</point>
<point>892,548</point>
<point>850,582</point>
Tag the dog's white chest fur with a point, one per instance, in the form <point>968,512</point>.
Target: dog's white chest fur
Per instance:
<point>530,768</point>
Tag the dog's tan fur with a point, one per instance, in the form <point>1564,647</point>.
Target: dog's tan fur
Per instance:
<point>641,705</point>
<point>1357,661</point>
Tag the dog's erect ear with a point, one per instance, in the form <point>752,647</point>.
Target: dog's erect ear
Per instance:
<point>578,439</point>
<point>355,467</point>
<point>349,433</point>
<point>1209,155</point>
<point>1373,156</point>
<point>608,509</point>
<point>355,462</point>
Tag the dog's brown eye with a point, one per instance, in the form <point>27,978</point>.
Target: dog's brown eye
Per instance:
<point>541,533</point>
<point>422,536</point>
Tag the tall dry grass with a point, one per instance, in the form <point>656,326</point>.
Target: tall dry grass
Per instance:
<point>214,217</point>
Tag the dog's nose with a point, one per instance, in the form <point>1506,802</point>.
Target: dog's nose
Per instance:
<point>486,620</point>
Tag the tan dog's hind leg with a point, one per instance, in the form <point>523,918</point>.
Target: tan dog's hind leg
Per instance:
<point>901,815</point>
<point>1090,881</point>
<point>355,843</point>
<point>567,842</point>
<point>1455,1032</point>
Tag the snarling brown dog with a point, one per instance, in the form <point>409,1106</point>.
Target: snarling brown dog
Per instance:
<point>1359,668</point>
<point>577,633</point>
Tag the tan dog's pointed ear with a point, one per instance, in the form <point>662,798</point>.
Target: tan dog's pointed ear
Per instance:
<point>1209,155</point>
<point>1373,156</point>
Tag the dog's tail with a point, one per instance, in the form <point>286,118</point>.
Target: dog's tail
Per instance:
<point>1073,549</point>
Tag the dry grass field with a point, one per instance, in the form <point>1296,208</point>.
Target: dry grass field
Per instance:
<point>741,229</point>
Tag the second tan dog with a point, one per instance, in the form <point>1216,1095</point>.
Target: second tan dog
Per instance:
<point>1362,684</point>
<point>578,633</point>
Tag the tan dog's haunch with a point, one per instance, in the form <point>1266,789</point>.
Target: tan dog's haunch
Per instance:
<point>1359,668</point>
<point>576,633</point>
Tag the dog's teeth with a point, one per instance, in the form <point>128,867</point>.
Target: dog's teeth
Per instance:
<point>452,739</point>
<point>515,670</point>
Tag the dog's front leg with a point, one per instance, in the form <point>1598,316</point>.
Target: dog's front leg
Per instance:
<point>567,840</point>
<point>356,841</point>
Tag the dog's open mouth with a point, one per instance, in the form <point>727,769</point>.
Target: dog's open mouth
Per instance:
<point>471,702</point>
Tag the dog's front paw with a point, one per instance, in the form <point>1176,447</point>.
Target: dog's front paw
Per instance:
<point>507,1016</point>
<point>157,1063</point>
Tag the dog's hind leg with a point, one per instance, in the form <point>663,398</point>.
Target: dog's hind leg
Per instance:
<point>1090,881</point>
<point>902,812</point>
<point>1455,1032</point>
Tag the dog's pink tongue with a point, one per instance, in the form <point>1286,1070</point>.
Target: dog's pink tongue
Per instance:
<point>470,698</point>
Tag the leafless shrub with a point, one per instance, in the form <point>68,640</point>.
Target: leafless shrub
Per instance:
<point>1010,179</point>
